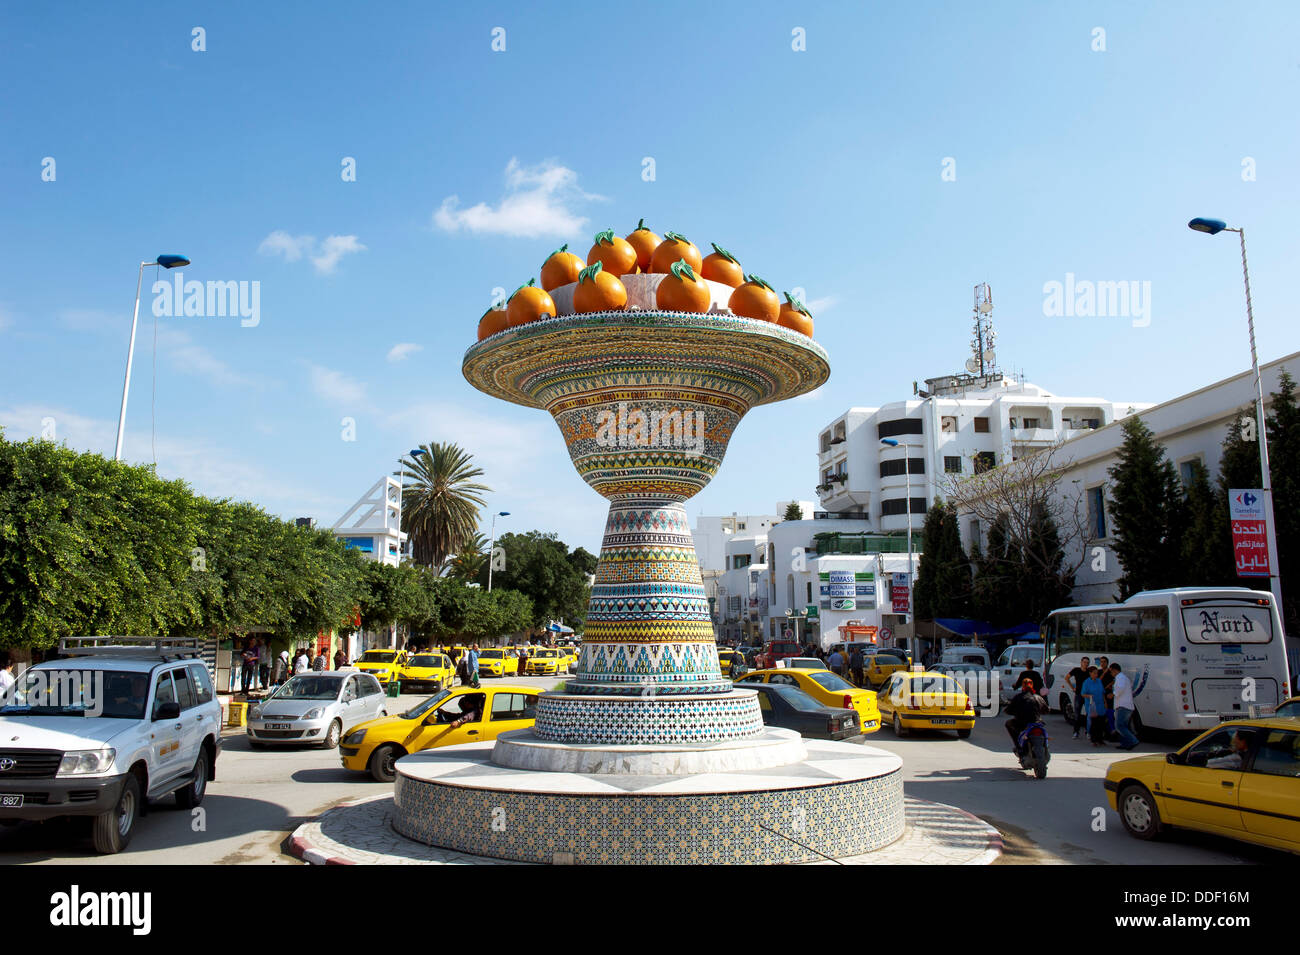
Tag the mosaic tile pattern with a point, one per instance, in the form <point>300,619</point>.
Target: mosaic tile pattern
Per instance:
<point>739,828</point>
<point>684,718</point>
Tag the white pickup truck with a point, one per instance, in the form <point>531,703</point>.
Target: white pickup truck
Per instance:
<point>101,734</point>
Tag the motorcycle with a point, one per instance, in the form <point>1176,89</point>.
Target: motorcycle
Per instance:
<point>1032,749</point>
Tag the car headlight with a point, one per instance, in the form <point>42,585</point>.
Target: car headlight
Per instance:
<point>356,738</point>
<point>313,714</point>
<point>255,713</point>
<point>86,761</point>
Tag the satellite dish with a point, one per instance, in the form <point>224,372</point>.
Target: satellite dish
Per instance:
<point>972,365</point>
<point>986,307</point>
<point>989,357</point>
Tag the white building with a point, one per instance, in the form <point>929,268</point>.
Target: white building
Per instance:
<point>373,525</point>
<point>712,533</point>
<point>958,424</point>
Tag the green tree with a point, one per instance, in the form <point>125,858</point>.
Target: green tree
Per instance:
<point>793,512</point>
<point>943,580</point>
<point>1206,547</point>
<point>996,591</point>
<point>1045,583</point>
<point>541,568</point>
<point>440,502</point>
<point>1283,461</point>
<point>1146,510</point>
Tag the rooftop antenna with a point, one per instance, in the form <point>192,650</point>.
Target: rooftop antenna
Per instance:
<point>983,360</point>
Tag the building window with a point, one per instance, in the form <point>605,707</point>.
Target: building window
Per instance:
<point>898,506</point>
<point>981,425</point>
<point>952,464</point>
<point>740,527</point>
<point>902,466</point>
<point>1097,511</point>
<point>1030,423</point>
<point>1187,471</point>
<point>985,461</point>
<point>948,424</point>
<point>740,560</point>
<point>1011,422</point>
<point>888,429</point>
<point>975,535</point>
<point>1092,424</point>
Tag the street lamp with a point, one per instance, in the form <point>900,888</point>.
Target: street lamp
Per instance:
<point>1214,227</point>
<point>907,467</point>
<point>401,494</point>
<point>492,542</point>
<point>167,262</point>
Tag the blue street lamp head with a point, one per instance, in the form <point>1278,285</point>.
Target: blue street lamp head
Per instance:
<point>503,513</point>
<point>416,452</point>
<point>889,441</point>
<point>1209,226</point>
<point>172,261</point>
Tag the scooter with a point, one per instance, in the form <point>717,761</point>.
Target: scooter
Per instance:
<point>1032,749</point>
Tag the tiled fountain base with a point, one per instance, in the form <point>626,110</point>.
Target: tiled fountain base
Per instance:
<point>842,799</point>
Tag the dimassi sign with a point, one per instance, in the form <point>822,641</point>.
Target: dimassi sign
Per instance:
<point>847,590</point>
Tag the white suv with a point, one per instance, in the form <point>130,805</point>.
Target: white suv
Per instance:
<point>101,734</point>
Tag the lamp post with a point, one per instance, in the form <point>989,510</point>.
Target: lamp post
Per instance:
<point>492,543</point>
<point>907,467</point>
<point>167,262</point>
<point>401,495</point>
<point>1214,227</point>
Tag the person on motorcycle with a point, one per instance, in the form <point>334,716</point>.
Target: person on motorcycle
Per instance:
<point>1025,707</point>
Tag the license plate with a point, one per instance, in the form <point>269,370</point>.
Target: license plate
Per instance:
<point>1234,716</point>
<point>11,802</point>
<point>945,720</point>
<point>279,726</point>
<point>869,723</point>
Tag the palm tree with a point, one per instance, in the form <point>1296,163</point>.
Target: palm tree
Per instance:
<point>469,559</point>
<point>440,502</point>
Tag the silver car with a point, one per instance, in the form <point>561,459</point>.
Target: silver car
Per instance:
<point>316,708</point>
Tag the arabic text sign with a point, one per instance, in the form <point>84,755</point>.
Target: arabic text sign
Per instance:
<point>898,594</point>
<point>1249,532</point>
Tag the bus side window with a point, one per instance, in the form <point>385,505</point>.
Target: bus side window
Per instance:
<point>1122,631</point>
<point>1092,632</point>
<point>1066,635</point>
<point>1153,631</point>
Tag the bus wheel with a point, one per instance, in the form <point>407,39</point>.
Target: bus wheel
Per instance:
<point>1135,725</point>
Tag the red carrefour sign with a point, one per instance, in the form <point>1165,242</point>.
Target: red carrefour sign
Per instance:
<point>1249,532</point>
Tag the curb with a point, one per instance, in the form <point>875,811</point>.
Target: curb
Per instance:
<point>993,850</point>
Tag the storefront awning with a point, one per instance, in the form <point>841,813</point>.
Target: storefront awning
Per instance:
<point>982,628</point>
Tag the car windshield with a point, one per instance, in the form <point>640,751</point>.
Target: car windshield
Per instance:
<point>933,683</point>
<point>415,712</point>
<point>424,660</point>
<point>797,698</point>
<point>377,656</point>
<point>1289,708</point>
<point>491,655</point>
<point>830,681</point>
<point>890,656</point>
<point>42,691</point>
<point>305,687</point>
<point>805,663</point>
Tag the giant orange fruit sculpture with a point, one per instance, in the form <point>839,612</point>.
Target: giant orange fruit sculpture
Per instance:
<point>560,268</point>
<point>682,290</point>
<point>675,247</point>
<point>612,252</point>
<point>721,266</point>
<point>528,304</point>
<point>598,291</point>
<point>645,242</point>
<point>755,299</point>
<point>795,315</point>
<point>493,321</point>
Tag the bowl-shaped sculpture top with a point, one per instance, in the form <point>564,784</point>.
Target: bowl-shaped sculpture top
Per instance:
<point>647,400</point>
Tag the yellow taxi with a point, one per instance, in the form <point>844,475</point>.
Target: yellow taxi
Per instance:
<point>826,688</point>
<point>919,699</point>
<point>495,661</point>
<point>448,718</point>
<point>426,670</point>
<point>727,659</point>
<point>1289,707</point>
<point>382,664</point>
<point>547,661</point>
<point>1240,780</point>
<point>880,666</point>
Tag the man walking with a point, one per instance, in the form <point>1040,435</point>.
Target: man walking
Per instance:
<point>471,664</point>
<point>264,662</point>
<point>320,664</point>
<point>856,664</point>
<point>836,662</point>
<point>1122,687</point>
<point>1074,680</point>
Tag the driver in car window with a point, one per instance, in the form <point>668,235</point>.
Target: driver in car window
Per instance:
<point>1237,758</point>
<point>471,705</point>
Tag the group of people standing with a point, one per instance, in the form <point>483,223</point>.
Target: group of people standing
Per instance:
<point>259,668</point>
<point>1103,702</point>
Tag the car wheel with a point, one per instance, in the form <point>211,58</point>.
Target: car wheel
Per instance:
<point>112,830</point>
<point>383,763</point>
<point>1137,810</point>
<point>191,794</point>
<point>332,735</point>
<point>963,734</point>
<point>899,730</point>
<point>1067,709</point>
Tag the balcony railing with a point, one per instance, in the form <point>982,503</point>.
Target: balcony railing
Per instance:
<point>834,542</point>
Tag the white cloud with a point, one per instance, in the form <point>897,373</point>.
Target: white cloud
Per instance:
<point>403,350</point>
<point>819,305</point>
<point>336,387</point>
<point>537,203</point>
<point>334,248</point>
<point>324,255</point>
<point>282,243</point>
<point>180,350</point>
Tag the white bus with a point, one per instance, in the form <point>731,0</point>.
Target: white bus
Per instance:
<point>1196,655</point>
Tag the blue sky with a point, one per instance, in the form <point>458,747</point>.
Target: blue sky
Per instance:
<point>819,168</point>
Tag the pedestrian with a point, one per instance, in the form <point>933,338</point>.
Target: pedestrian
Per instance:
<point>340,659</point>
<point>300,664</point>
<point>471,665</point>
<point>1074,680</point>
<point>320,664</point>
<point>248,666</point>
<point>856,664</point>
<point>836,662</point>
<point>1122,689</point>
<point>1029,673</point>
<point>1108,681</point>
<point>523,661</point>
<point>7,681</point>
<point>1094,703</point>
<point>282,667</point>
<point>264,662</point>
